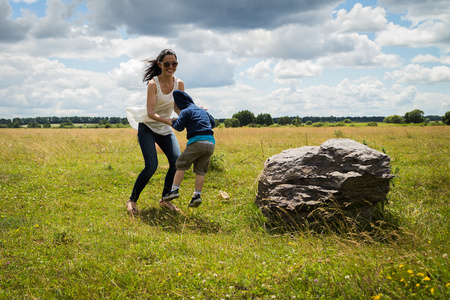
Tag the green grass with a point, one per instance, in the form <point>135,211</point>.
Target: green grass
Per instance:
<point>65,233</point>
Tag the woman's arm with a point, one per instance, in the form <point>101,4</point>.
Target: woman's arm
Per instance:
<point>180,85</point>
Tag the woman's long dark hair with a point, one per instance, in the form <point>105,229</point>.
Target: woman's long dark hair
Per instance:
<point>153,69</point>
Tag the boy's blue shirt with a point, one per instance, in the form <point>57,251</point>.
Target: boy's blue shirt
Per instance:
<point>198,138</point>
<point>198,122</point>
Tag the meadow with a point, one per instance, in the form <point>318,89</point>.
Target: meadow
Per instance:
<point>65,232</point>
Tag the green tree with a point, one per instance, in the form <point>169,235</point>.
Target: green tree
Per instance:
<point>34,124</point>
<point>233,122</point>
<point>284,120</point>
<point>264,119</point>
<point>297,121</point>
<point>396,119</point>
<point>415,116</point>
<point>14,124</point>
<point>67,124</point>
<point>47,125</point>
<point>245,117</point>
<point>446,118</point>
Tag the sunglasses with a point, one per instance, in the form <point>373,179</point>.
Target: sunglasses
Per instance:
<point>167,64</point>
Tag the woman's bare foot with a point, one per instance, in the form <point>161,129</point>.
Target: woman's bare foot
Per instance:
<point>131,207</point>
<point>168,205</point>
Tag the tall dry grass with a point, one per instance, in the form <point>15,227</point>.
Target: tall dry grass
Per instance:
<point>64,231</point>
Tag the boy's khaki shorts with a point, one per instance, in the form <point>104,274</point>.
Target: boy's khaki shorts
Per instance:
<point>197,153</point>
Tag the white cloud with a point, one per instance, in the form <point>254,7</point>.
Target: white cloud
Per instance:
<point>25,1</point>
<point>426,34</point>
<point>418,11</point>
<point>425,58</point>
<point>11,30</point>
<point>361,19</point>
<point>290,69</point>
<point>430,25</point>
<point>223,102</point>
<point>416,74</point>
<point>288,58</point>
<point>363,97</point>
<point>262,70</point>
<point>364,53</point>
<point>46,87</point>
<point>53,24</point>
<point>360,97</point>
<point>128,75</point>
<point>428,58</point>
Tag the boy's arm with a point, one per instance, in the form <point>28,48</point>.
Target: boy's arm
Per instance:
<point>180,123</point>
<point>212,121</point>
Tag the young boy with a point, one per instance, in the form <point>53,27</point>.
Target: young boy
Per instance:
<point>200,146</point>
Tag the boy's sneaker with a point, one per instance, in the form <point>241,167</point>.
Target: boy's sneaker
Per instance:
<point>171,195</point>
<point>196,201</point>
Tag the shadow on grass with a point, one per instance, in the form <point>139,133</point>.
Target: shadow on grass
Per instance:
<point>178,221</point>
<point>382,227</point>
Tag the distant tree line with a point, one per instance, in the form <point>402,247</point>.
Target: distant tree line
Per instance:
<point>416,116</point>
<point>239,119</point>
<point>39,122</point>
<point>247,118</point>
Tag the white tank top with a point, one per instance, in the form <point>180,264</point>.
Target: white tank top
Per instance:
<point>163,107</point>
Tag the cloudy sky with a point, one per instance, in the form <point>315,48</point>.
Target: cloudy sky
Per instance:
<point>284,57</point>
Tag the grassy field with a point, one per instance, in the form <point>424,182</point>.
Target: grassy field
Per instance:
<point>65,232</point>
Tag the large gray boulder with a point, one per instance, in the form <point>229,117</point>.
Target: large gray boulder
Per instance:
<point>340,178</point>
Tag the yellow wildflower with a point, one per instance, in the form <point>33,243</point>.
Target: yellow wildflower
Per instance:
<point>401,280</point>
<point>427,278</point>
<point>447,285</point>
<point>377,297</point>
<point>417,285</point>
<point>432,291</point>
<point>421,274</point>
<point>179,274</point>
<point>410,271</point>
<point>401,266</point>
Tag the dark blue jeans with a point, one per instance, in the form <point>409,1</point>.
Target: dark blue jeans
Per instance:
<point>169,145</point>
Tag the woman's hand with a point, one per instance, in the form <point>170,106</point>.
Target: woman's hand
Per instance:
<point>168,121</point>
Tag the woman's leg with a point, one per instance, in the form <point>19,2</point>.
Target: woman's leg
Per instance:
<point>169,145</point>
<point>147,143</point>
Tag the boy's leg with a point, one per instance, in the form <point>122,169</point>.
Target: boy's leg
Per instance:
<point>196,197</point>
<point>179,176</point>
<point>201,165</point>
<point>199,180</point>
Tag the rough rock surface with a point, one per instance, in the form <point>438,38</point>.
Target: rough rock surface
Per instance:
<point>305,184</point>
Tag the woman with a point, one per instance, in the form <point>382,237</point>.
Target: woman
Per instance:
<point>161,82</point>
